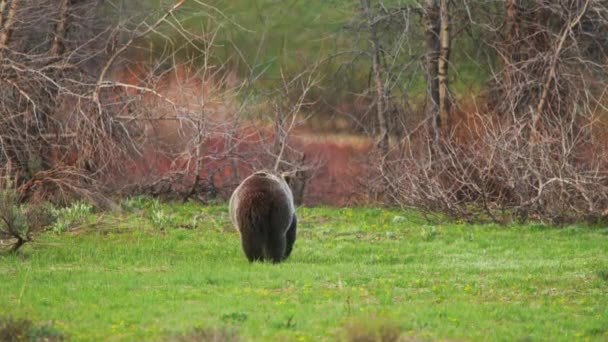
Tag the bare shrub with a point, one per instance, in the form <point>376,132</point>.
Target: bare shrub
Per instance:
<point>497,174</point>
<point>87,108</point>
<point>374,330</point>
<point>207,335</point>
<point>535,144</point>
<point>63,121</point>
<point>200,141</point>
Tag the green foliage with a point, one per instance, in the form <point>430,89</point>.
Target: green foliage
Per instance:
<point>234,317</point>
<point>77,214</point>
<point>159,218</point>
<point>135,203</point>
<point>265,36</point>
<point>18,222</point>
<point>354,272</point>
<point>12,220</point>
<point>266,40</point>
<point>428,233</point>
<point>175,215</point>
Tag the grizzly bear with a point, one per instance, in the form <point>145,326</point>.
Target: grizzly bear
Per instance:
<point>263,211</point>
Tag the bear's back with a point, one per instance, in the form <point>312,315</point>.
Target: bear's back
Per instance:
<point>262,194</point>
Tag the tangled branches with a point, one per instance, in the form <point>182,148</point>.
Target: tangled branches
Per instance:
<point>496,174</point>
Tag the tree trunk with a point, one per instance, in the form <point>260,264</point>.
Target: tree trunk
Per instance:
<point>381,101</point>
<point>431,21</point>
<point>513,30</point>
<point>2,8</point>
<point>280,139</point>
<point>231,143</point>
<point>514,52</point>
<point>60,30</point>
<point>443,65</point>
<point>8,22</point>
<point>200,129</point>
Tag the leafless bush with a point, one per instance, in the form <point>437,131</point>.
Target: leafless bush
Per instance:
<point>552,55</point>
<point>89,106</point>
<point>534,146</point>
<point>497,174</point>
<point>206,146</point>
<point>63,120</point>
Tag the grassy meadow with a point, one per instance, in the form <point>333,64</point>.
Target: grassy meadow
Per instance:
<point>176,272</point>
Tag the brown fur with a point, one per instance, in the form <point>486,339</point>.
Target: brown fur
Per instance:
<point>262,210</point>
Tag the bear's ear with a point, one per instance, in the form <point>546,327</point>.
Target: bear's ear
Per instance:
<point>291,177</point>
<point>287,175</point>
<point>261,173</point>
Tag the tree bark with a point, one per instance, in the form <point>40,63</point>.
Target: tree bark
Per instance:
<point>443,66</point>
<point>198,155</point>
<point>431,22</point>
<point>280,139</point>
<point>513,10</point>
<point>8,22</point>
<point>60,30</point>
<point>2,9</point>
<point>232,148</point>
<point>381,101</point>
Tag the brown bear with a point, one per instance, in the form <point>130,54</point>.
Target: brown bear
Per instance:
<point>262,210</point>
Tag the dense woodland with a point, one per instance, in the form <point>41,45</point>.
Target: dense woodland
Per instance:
<point>475,109</point>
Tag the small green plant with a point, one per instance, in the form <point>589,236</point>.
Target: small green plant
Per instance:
<point>428,233</point>
<point>70,217</point>
<point>135,202</point>
<point>234,317</point>
<point>285,323</point>
<point>470,234</point>
<point>159,218</point>
<point>18,222</point>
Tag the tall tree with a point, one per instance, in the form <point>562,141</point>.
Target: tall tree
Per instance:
<point>431,23</point>
<point>7,21</point>
<point>381,96</point>
<point>513,33</point>
<point>60,29</point>
<point>443,62</point>
<point>438,49</point>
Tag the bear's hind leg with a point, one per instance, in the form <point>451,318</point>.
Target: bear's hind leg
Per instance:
<point>275,248</point>
<point>290,237</point>
<point>253,246</point>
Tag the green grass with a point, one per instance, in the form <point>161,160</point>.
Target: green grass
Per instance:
<point>353,271</point>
